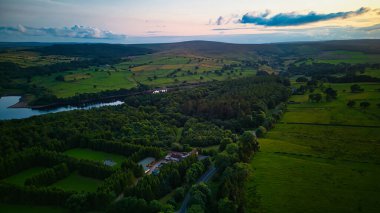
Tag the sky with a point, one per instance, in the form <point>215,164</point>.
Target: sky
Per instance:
<point>156,21</point>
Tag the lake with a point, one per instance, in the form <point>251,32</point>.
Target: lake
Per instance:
<point>19,113</point>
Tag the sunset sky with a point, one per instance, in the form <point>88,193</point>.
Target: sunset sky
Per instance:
<point>238,21</point>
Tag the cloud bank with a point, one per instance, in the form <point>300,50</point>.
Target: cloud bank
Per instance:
<point>294,19</point>
<point>65,32</point>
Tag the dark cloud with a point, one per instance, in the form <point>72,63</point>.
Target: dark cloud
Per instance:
<point>293,19</point>
<point>219,21</point>
<point>310,34</point>
<point>224,20</point>
<point>65,32</point>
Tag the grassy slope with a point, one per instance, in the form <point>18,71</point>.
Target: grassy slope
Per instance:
<point>99,156</point>
<point>29,58</point>
<point>76,182</point>
<point>336,57</point>
<point>309,168</point>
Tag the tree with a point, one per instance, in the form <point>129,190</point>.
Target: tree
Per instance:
<point>232,183</point>
<point>194,172</point>
<point>60,78</point>
<point>248,145</point>
<point>77,202</point>
<point>200,195</point>
<point>351,103</point>
<point>356,88</point>
<point>302,79</point>
<point>232,148</point>
<point>261,131</point>
<point>364,104</point>
<point>315,97</point>
<point>223,159</point>
<point>179,194</point>
<point>195,209</point>
<point>259,117</point>
<point>129,204</point>
<point>226,206</point>
<point>331,94</point>
<point>224,143</point>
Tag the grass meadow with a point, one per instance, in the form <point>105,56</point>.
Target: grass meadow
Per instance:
<point>76,182</point>
<point>304,166</point>
<point>29,59</point>
<point>336,57</point>
<point>88,154</point>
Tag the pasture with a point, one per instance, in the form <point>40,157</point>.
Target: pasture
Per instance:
<point>88,154</point>
<point>30,59</point>
<point>76,182</point>
<point>322,157</point>
<point>336,57</point>
<point>152,70</point>
<point>372,72</point>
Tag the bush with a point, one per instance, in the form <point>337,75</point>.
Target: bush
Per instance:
<point>351,103</point>
<point>261,131</point>
<point>60,78</point>
<point>356,88</point>
<point>364,104</point>
<point>179,194</point>
<point>301,79</point>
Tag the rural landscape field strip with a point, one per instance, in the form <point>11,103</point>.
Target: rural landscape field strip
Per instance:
<point>187,132</point>
<point>300,169</point>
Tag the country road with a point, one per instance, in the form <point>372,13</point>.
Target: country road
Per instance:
<point>204,178</point>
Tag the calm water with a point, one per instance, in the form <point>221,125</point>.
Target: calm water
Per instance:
<point>18,113</point>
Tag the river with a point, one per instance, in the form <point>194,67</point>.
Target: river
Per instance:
<point>7,113</point>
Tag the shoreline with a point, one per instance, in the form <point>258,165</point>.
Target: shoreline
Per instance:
<point>20,104</point>
<point>23,104</point>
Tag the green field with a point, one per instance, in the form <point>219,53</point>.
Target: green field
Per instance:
<point>320,168</point>
<point>76,182</point>
<point>336,112</point>
<point>88,154</point>
<point>153,70</point>
<point>20,178</point>
<point>336,57</point>
<point>9,208</point>
<point>29,59</point>
<point>372,72</point>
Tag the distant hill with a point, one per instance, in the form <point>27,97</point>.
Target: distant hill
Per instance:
<point>218,49</point>
<point>201,48</point>
<point>94,50</point>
